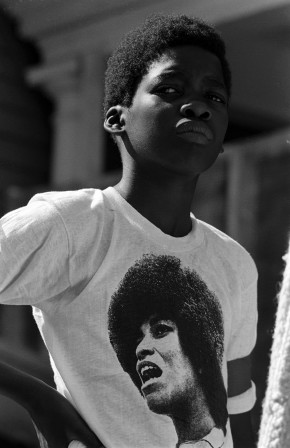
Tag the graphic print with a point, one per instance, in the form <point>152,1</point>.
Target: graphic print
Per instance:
<point>166,328</point>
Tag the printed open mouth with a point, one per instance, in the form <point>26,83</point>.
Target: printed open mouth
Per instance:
<point>148,370</point>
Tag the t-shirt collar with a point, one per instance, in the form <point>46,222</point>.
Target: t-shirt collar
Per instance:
<point>214,439</point>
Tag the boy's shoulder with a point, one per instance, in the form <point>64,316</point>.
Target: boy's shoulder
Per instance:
<point>224,246</point>
<point>220,237</point>
<point>69,198</point>
<point>75,208</point>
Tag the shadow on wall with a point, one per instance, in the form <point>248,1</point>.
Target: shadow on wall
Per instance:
<point>25,129</point>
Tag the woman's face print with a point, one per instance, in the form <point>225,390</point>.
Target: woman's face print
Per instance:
<point>167,376</point>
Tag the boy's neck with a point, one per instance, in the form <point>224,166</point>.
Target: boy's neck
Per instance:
<point>164,200</point>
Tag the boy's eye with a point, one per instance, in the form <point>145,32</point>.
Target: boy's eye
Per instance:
<point>217,98</point>
<point>166,90</point>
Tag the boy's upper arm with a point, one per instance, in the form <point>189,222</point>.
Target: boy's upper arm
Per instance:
<point>33,255</point>
<point>239,376</point>
<point>243,335</point>
<point>241,393</point>
<point>241,389</point>
<point>242,430</point>
<point>244,319</point>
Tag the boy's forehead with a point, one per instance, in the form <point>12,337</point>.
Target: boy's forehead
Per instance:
<point>185,58</point>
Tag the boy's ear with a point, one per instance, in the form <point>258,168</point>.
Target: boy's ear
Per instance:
<point>115,120</point>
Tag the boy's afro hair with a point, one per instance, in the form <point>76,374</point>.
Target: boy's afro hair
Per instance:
<point>140,47</point>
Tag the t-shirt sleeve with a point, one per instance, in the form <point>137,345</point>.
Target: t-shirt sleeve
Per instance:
<point>244,330</point>
<point>34,255</point>
<point>243,402</point>
<point>244,314</point>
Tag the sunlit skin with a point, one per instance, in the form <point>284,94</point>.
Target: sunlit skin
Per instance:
<point>169,383</point>
<point>172,132</point>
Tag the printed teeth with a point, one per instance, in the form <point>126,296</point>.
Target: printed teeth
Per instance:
<point>149,371</point>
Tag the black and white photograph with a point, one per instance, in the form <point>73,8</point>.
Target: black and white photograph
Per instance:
<point>144,224</point>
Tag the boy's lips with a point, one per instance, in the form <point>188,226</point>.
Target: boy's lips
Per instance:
<point>194,131</point>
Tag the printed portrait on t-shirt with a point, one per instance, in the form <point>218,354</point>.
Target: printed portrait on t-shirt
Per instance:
<point>166,328</point>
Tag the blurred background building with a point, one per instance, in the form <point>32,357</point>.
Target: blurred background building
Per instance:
<point>52,60</point>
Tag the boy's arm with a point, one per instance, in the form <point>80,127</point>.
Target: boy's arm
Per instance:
<point>239,381</point>
<point>54,416</point>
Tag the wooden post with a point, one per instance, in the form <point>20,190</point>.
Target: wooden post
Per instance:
<point>77,89</point>
<point>242,191</point>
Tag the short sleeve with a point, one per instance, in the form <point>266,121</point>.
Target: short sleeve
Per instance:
<point>244,330</point>
<point>243,402</point>
<point>245,315</point>
<point>34,255</point>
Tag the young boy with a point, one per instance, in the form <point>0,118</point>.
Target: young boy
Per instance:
<point>66,254</point>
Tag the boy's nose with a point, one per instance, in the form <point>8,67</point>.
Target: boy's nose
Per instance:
<point>196,109</point>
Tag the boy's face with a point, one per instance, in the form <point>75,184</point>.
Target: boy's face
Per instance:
<point>179,114</point>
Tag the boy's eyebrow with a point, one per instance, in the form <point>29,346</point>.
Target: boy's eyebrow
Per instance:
<point>215,82</point>
<point>171,73</point>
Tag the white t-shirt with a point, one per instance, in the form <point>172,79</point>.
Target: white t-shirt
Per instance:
<point>67,254</point>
